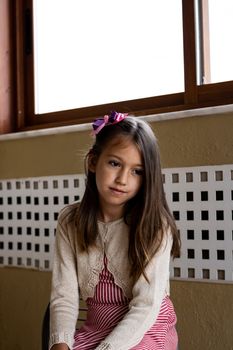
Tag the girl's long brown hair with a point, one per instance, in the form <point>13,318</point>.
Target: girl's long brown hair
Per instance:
<point>147,214</point>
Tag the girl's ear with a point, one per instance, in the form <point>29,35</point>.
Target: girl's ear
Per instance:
<point>92,160</point>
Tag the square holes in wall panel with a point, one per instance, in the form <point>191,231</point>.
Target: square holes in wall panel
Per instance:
<point>28,216</point>
<point>201,200</point>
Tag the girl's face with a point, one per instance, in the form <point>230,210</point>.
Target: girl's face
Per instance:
<point>119,172</point>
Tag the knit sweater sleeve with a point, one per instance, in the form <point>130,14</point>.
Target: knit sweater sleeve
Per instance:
<point>64,302</point>
<point>145,304</point>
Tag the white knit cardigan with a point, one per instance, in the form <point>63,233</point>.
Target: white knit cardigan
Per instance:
<point>75,273</point>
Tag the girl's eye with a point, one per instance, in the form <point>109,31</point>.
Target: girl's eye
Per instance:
<point>114,163</point>
<point>138,172</point>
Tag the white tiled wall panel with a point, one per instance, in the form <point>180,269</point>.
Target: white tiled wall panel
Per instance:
<point>200,198</point>
<point>28,216</point>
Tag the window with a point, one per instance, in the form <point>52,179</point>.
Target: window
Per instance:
<point>103,52</point>
<point>214,49</point>
<point>141,57</point>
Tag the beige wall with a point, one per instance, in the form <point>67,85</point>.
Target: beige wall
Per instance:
<point>204,310</point>
<point>183,142</point>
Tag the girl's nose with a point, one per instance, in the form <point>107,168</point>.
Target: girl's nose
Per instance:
<point>122,177</point>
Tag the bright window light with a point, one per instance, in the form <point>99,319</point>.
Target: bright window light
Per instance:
<point>221,49</point>
<point>92,52</point>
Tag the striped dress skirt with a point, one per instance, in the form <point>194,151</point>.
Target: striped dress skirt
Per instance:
<point>106,309</point>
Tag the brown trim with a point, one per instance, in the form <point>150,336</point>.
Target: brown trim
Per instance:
<point>6,67</point>
<point>20,67</point>
<point>189,52</point>
<point>217,93</point>
<point>24,63</point>
<point>29,60</point>
<point>136,107</point>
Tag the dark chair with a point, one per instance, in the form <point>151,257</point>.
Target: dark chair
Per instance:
<point>45,329</point>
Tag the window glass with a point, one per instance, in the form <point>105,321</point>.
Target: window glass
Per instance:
<point>220,40</point>
<point>90,52</point>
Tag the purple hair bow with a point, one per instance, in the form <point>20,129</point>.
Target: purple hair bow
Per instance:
<point>111,119</point>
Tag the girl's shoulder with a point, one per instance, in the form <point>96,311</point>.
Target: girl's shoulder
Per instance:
<point>68,213</point>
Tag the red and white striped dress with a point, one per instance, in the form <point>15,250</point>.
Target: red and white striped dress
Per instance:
<point>109,306</point>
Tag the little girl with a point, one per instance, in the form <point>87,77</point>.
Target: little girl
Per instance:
<point>113,249</point>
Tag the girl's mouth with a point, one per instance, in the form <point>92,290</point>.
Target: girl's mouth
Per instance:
<point>116,190</point>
